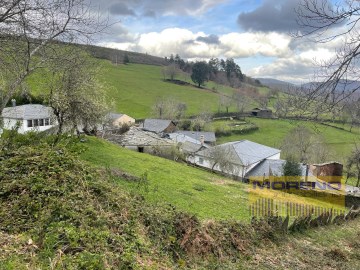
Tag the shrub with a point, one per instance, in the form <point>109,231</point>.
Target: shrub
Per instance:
<point>185,125</point>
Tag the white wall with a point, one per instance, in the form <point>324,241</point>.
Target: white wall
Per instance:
<point>277,156</point>
<point>23,128</point>
<point>206,163</point>
<point>11,123</point>
<point>239,171</point>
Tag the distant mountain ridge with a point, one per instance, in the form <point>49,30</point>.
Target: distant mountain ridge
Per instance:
<point>342,86</point>
<point>273,83</point>
<point>117,56</point>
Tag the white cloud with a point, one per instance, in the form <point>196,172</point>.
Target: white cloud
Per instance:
<point>293,60</point>
<point>126,46</point>
<point>186,43</point>
<point>296,68</point>
<point>250,44</point>
<point>156,7</point>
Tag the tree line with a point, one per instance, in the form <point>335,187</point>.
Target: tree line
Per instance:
<point>226,72</point>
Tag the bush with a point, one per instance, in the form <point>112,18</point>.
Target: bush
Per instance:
<point>63,205</point>
<point>185,125</point>
<point>27,98</point>
<point>124,128</point>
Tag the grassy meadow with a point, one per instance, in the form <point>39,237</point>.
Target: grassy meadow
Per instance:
<point>135,88</point>
<point>272,132</point>
<point>199,192</point>
<point>193,190</point>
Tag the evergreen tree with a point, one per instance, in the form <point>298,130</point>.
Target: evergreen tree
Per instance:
<point>200,73</point>
<point>126,59</point>
<point>292,168</point>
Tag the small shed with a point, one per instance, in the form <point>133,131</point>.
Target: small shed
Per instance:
<point>328,171</point>
<point>262,113</point>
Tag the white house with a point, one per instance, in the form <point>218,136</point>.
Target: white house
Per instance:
<point>242,155</point>
<point>30,117</point>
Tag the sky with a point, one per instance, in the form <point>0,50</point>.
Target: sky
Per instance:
<point>256,33</point>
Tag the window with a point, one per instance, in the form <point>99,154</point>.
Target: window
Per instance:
<point>47,122</point>
<point>201,161</point>
<point>36,123</point>
<point>29,123</point>
<point>41,122</point>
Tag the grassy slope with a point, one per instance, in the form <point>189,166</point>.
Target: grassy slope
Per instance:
<point>271,132</point>
<point>135,89</point>
<point>193,190</point>
<point>101,226</point>
<point>207,195</point>
<point>331,247</point>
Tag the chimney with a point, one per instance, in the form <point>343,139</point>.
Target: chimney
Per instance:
<point>202,139</point>
<point>13,102</point>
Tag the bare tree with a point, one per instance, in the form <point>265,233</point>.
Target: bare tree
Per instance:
<point>171,71</point>
<point>169,108</point>
<point>221,157</point>
<point>263,101</point>
<point>304,145</point>
<point>351,112</point>
<point>200,121</point>
<point>353,165</point>
<point>322,21</point>
<point>283,106</point>
<point>226,102</point>
<point>30,28</point>
<point>241,101</point>
<point>77,98</point>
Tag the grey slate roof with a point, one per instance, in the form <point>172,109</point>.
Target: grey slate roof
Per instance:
<point>273,167</point>
<point>114,116</point>
<point>188,144</point>
<point>138,137</point>
<point>156,125</point>
<point>190,147</point>
<point>245,152</point>
<point>181,138</point>
<point>27,112</point>
<point>208,136</point>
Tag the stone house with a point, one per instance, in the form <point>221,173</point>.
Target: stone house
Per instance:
<point>158,125</point>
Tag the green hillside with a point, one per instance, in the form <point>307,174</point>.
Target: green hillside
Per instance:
<point>207,195</point>
<point>135,88</point>
<point>196,191</point>
<point>272,132</point>
<point>59,213</point>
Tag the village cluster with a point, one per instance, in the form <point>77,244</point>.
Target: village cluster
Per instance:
<point>241,160</point>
